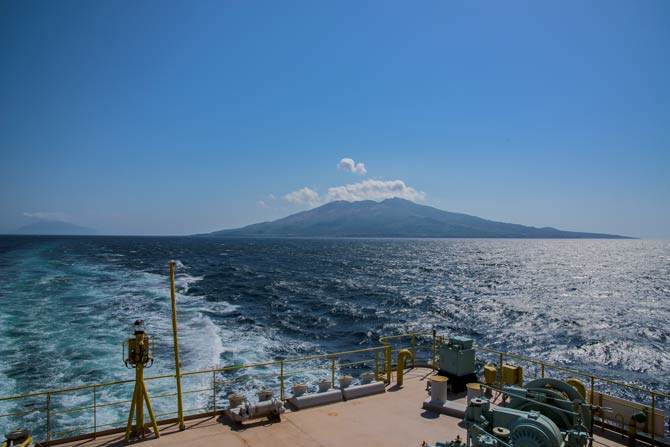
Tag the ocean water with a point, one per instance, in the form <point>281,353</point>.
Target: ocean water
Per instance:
<point>68,302</point>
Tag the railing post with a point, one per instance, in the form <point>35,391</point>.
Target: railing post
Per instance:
<point>593,385</point>
<point>434,337</point>
<point>653,417</point>
<point>376,364</point>
<point>95,412</point>
<point>500,382</point>
<point>281,380</point>
<point>543,370</point>
<point>332,371</point>
<point>389,362</point>
<point>413,349</point>
<point>48,418</point>
<point>177,361</point>
<point>214,389</point>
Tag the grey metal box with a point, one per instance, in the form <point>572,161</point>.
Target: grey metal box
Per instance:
<point>458,362</point>
<point>463,342</point>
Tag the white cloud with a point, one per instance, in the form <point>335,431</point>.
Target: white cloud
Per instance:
<point>365,190</point>
<point>262,204</point>
<point>348,164</point>
<point>304,196</point>
<point>374,190</point>
<point>47,215</point>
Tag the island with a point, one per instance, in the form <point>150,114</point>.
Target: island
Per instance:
<point>395,218</point>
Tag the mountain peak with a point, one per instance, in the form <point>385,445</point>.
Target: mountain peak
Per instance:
<point>393,217</point>
<point>55,228</point>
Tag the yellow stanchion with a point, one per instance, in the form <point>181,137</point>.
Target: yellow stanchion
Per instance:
<point>177,362</point>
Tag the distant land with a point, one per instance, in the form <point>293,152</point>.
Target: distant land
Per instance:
<point>55,228</point>
<point>398,218</point>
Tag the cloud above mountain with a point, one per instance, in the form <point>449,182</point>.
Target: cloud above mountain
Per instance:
<point>304,196</point>
<point>349,165</point>
<point>47,215</point>
<point>364,190</point>
<point>374,190</point>
<point>370,189</point>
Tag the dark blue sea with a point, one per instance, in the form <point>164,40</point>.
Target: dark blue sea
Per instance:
<point>68,302</point>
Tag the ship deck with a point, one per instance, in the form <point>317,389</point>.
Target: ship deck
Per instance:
<point>394,418</point>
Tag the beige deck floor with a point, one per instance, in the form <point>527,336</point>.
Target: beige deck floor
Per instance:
<point>394,418</point>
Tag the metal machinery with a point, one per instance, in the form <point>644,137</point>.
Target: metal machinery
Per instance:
<point>457,362</point>
<point>271,408</point>
<point>546,413</point>
<point>555,399</point>
<point>139,356</point>
<point>17,438</point>
<point>453,443</point>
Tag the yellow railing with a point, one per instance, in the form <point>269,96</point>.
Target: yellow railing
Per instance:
<point>393,345</point>
<point>213,385</point>
<point>217,380</point>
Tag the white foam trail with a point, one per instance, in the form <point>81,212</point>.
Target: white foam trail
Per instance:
<point>112,297</point>
<point>183,281</point>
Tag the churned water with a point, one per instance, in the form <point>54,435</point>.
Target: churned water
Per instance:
<point>68,302</point>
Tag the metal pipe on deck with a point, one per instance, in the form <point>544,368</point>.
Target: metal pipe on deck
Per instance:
<point>403,356</point>
<point>177,362</point>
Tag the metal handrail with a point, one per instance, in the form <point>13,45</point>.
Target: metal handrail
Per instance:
<point>85,387</point>
<point>572,371</point>
<point>383,365</point>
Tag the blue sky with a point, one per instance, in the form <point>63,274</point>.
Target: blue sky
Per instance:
<point>184,117</point>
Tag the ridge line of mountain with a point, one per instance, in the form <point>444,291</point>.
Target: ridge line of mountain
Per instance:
<point>395,218</point>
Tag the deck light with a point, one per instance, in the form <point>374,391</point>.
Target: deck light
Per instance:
<point>139,356</point>
<point>138,326</point>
